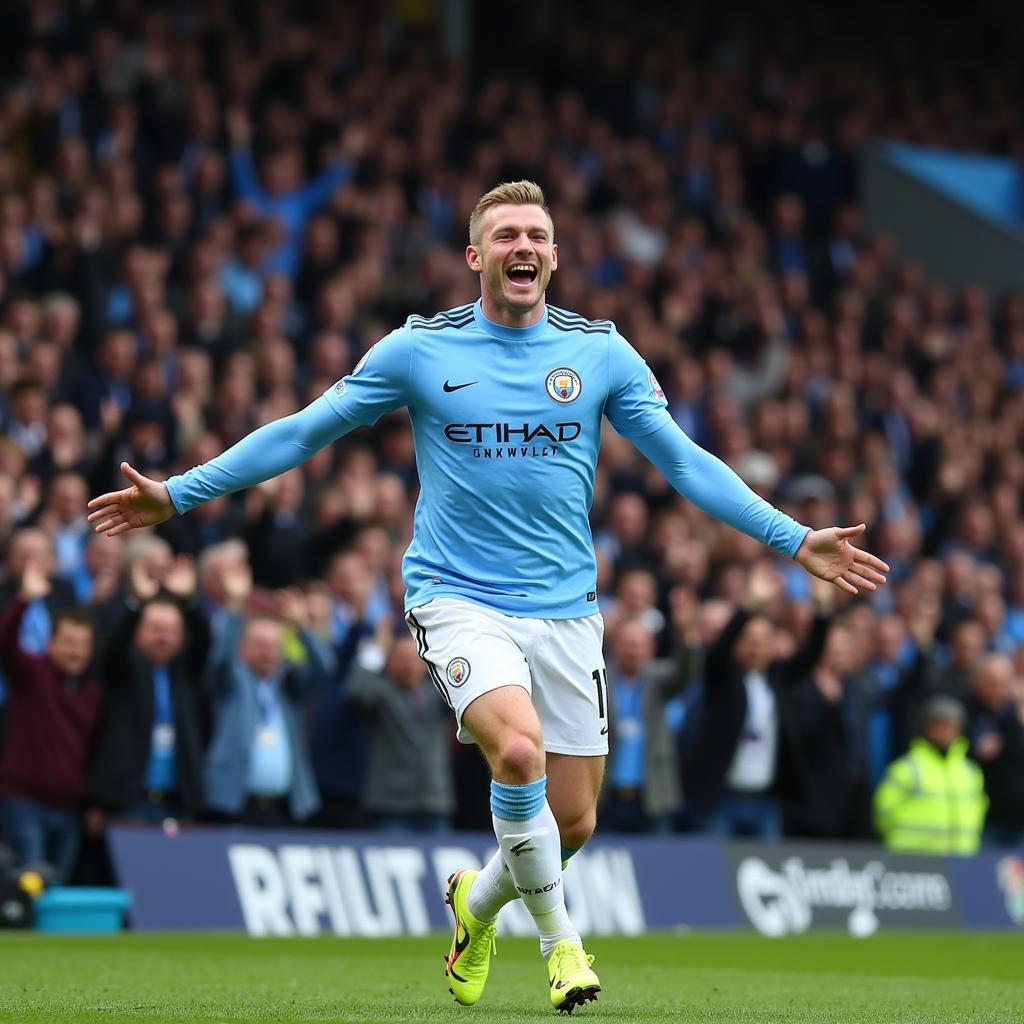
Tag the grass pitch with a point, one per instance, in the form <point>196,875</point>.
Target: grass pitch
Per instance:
<point>894,977</point>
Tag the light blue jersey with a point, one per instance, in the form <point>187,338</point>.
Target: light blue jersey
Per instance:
<point>507,423</point>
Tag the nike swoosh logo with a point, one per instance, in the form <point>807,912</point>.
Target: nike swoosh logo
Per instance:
<point>604,731</point>
<point>458,948</point>
<point>458,387</point>
<point>554,985</point>
<point>521,847</point>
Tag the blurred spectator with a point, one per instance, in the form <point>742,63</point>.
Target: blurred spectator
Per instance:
<point>257,769</point>
<point>105,391</point>
<point>995,727</point>
<point>279,534</point>
<point>338,729</point>
<point>831,717</point>
<point>967,645</point>
<point>99,578</point>
<point>281,194</point>
<point>148,760</point>
<point>64,520</point>
<point>139,556</point>
<point>9,509</point>
<point>932,800</point>
<point>32,545</point>
<point>242,277</point>
<point>636,597</point>
<point>641,791</point>
<point>357,617</point>
<point>54,711</point>
<point>26,421</point>
<point>409,784</point>
<point>66,448</point>
<point>210,230</point>
<point>742,759</point>
<point>623,539</point>
<point>215,566</point>
<point>892,684</point>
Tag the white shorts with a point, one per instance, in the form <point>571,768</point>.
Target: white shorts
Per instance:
<point>470,650</point>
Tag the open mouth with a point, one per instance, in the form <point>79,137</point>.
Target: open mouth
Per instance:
<point>522,274</point>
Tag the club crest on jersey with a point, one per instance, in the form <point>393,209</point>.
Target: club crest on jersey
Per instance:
<point>655,386</point>
<point>339,388</point>
<point>457,671</point>
<point>564,385</point>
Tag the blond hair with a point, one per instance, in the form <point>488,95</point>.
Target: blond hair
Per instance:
<point>516,193</point>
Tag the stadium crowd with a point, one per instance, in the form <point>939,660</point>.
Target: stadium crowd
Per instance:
<point>205,220</point>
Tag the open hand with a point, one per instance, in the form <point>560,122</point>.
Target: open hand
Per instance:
<point>239,127</point>
<point>829,555</point>
<point>29,494</point>
<point>146,503</point>
<point>318,602</point>
<point>236,579</point>
<point>764,586</point>
<point>111,416</point>
<point>987,747</point>
<point>144,584</point>
<point>105,585</point>
<point>925,619</point>
<point>830,686</point>
<point>293,607</point>
<point>180,578</point>
<point>34,583</point>
<point>683,613</point>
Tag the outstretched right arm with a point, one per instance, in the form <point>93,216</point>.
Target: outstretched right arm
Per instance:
<point>269,451</point>
<point>266,452</point>
<point>379,384</point>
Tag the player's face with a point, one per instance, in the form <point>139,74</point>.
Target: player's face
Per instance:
<point>515,257</point>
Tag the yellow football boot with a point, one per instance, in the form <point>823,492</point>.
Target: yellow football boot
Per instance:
<point>469,958</point>
<point>570,978</point>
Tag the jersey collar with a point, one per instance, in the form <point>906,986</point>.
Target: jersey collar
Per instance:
<point>509,333</point>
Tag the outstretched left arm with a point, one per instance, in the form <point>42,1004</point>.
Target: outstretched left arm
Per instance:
<point>636,406</point>
<point>715,489</point>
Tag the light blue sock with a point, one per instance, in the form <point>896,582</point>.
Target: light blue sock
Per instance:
<point>518,803</point>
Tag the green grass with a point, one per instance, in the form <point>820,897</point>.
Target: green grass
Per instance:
<point>895,977</point>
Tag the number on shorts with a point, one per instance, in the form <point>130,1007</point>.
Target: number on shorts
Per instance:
<point>601,689</point>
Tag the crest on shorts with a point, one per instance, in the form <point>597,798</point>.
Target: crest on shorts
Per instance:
<point>339,388</point>
<point>655,386</point>
<point>564,385</point>
<point>457,671</point>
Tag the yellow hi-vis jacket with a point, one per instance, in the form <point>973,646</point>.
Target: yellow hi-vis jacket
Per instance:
<point>927,803</point>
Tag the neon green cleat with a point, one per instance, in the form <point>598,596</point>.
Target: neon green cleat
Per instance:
<point>571,980</point>
<point>469,958</point>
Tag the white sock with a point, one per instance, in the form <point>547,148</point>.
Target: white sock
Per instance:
<point>528,838</point>
<point>492,889</point>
